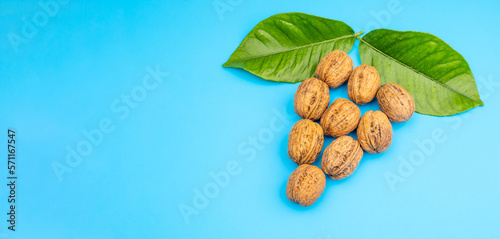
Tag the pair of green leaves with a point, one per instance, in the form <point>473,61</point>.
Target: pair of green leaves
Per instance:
<point>287,48</point>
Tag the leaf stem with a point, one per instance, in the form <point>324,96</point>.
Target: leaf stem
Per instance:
<point>357,34</point>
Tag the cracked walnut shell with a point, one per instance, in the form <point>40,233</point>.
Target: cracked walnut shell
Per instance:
<point>363,84</point>
<point>335,68</point>
<point>341,157</point>
<point>311,99</point>
<point>374,132</point>
<point>305,141</point>
<point>395,102</point>
<point>341,118</point>
<point>305,185</point>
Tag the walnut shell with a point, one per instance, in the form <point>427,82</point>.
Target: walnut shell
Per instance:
<point>341,118</point>
<point>334,69</point>
<point>341,157</point>
<point>395,102</point>
<point>374,132</point>
<point>305,141</point>
<point>363,84</point>
<point>311,99</point>
<point>305,185</point>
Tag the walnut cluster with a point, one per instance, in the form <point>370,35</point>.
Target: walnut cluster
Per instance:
<point>373,129</point>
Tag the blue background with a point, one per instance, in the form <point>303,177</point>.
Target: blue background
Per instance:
<point>133,184</point>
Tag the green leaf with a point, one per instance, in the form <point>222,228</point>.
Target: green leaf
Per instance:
<point>287,47</point>
<point>438,77</point>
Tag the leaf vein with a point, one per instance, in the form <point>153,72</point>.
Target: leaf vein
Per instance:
<point>294,48</point>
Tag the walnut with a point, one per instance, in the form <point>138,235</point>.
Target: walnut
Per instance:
<point>305,142</point>
<point>334,69</point>
<point>305,185</point>
<point>341,118</point>
<point>311,99</point>
<point>341,157</point>
<point>395,102</point>
<point>363,84</point>
<point>374,132</point>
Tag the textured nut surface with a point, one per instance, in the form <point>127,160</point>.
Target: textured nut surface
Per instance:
<point>305,185</point>
<point>374,132</point>
<point>311,99</point>
<point>305,141</point>
<point>341,118</point>
<point>395,102</point>
<point>363,84</point>
<point>335,68</point>
<point>341,157</point>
